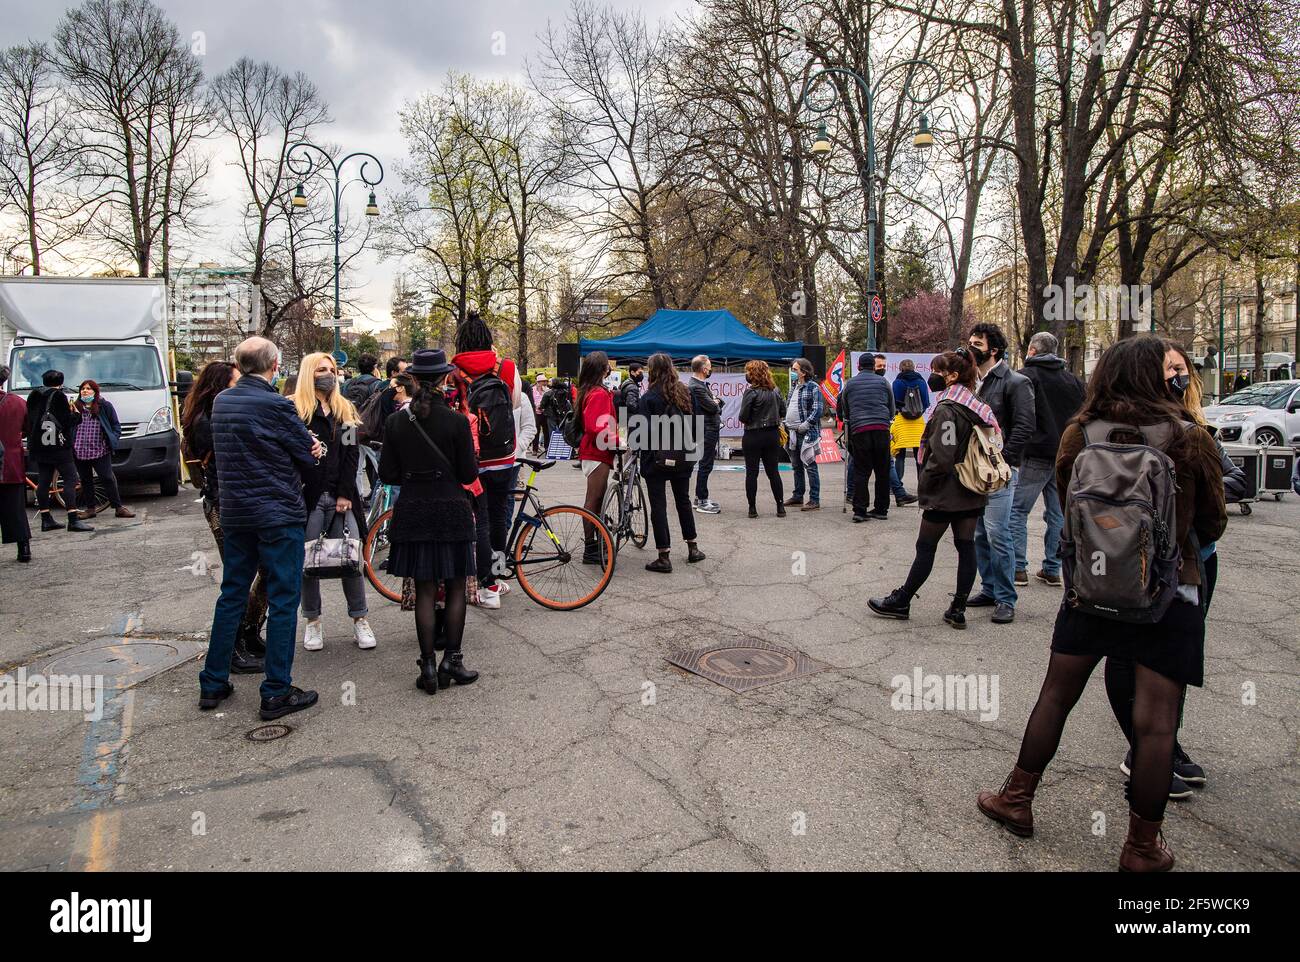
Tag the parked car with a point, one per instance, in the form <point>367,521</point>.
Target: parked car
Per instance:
<point>1264,413</point>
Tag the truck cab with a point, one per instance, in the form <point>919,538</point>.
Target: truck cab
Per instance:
<point>112,331</point>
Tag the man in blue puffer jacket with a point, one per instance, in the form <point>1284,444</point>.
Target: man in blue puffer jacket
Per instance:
<point>261,448</point>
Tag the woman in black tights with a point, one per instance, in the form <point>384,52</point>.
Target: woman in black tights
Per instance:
<point>428,450</point>
<point>760,412</point>
<point>1128,387</point>
<point>945,502</point>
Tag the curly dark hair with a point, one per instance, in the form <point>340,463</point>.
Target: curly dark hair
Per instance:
<point>759,375</point>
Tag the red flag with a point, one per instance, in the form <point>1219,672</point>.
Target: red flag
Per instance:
<point>834,381</point>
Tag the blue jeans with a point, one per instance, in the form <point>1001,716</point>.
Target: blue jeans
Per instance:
<point>280,552</point>
<point>799,469</point>
<point>900,466</point>
<point>896,479</point>
<point>1036,477</point>
<point>995,549</point>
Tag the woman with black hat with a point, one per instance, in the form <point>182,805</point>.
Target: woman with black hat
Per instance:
<point>429,451</point>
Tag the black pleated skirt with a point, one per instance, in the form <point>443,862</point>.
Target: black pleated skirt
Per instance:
<point>1173,647</point>
<point>432,560</point>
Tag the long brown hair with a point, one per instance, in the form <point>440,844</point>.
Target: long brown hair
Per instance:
<point>1128,386</point>
<point>957,362</point>
<point>759,375</point>
<point>93,406</point>
<point>663,375</point>
<point>591,376</point>
<point>212,380</point>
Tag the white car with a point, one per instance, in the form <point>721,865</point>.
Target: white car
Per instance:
<point>1264,413</point>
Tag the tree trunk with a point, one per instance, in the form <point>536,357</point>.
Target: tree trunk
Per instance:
<point>1259,374</point>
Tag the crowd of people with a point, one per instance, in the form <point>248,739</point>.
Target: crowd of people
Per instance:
<point>279,469</point>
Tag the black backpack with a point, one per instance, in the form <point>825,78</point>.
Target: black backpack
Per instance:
<point>489,400</point>
<point>913,406</point>
<point>358,391</point>
<point>371,411</point>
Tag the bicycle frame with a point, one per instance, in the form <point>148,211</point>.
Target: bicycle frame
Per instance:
<point>523,517</point>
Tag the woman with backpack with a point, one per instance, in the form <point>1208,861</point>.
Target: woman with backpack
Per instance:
<point>599,424</point>
<point>429,452</point>
<point>1130,422</point>
<point>331,491</point>
<point>491,389</point>
<point>760,413</point>
<point>945,501</point>
<point>912,399</point>
<point>201,465</point>
<point>664,409</point>
<point>1121,673</point>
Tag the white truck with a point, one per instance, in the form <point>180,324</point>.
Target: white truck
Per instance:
<point>109,330</point>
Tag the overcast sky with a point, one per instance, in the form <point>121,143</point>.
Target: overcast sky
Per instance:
<point>367,58</point>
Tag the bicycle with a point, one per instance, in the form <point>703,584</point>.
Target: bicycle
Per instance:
<point>625,509</point>
<point>56,493</point>
<point>549,569</point>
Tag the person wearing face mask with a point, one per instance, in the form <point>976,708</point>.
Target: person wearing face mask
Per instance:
<point>1058,395</point>
<point>93,446</point>
<point>1121,677</point>
<point>1011,396</point>
<point>330,491</point>
<point>262,450</point>
<point>803,417</point>
<point>704,404</point>
<point>628,395</point>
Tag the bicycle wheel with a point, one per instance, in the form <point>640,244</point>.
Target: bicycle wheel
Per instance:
<point>375,555</point>
<point>611,512</point>
<point>548,558</point>
<point>638,515</point>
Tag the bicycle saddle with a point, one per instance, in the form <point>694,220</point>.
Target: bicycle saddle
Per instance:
<point>537,465</point>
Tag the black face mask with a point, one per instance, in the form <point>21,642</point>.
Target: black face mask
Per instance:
<point>1178,385</point>
<point>980,356</point>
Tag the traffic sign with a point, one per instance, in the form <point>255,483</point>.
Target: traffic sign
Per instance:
<point>877,308</point>
<point>339,322</point>
<point>340,358</point>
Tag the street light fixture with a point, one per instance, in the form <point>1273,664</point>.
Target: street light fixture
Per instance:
<point>299,162</point>
<point>923,138</point>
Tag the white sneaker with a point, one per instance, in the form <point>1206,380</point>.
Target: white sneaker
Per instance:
<point>364,634</point>
<point>503,588</point>
<point>313,639</point>
<point>489,598</point>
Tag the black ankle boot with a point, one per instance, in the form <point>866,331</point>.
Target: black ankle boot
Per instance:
<point>250,639</point>
<point>956,613</point>
<point>661,565</point>
<point>428,680</point>
<point>24,551</point>
<point>897,604</point>
<point>592,553</point>
<point>48,523</point>
<point>76,524</point>
<point>243,661</point>
<point>694,554</point>
<point>453,669</point>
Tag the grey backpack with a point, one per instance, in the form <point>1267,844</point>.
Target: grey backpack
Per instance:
<point>1119,549</point>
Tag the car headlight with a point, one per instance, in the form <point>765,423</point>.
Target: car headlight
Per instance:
<point>1232,418</point>
<point>160,422</point>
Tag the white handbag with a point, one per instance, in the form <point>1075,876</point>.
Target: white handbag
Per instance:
<point>327,557</point>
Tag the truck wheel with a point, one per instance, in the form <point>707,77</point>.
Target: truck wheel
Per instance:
<point>170,485</point>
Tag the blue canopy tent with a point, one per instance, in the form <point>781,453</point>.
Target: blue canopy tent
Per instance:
<point>684,334</point>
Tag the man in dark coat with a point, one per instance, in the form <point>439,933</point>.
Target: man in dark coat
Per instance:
<point>262,450</point>
<point>866,403</point>
<point>1011,396</point>
<point>51,429</point>
<point>1058,395</point>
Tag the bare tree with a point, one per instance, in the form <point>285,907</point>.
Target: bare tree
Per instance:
<point>135,89</point>
<point>38,146</point>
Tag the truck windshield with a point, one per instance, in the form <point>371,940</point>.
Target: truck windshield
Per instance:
<point>116,367</point>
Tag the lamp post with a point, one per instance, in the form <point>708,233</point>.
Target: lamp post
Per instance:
<point>923,138</point>
<point>298,160</point>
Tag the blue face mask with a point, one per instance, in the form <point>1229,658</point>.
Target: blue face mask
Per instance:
<point>87,398</point>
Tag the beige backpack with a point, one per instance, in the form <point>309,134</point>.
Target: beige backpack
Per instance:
<point>983,469</point>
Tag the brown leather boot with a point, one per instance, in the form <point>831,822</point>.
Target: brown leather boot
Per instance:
<point>1145,849</point>
<point>1012,806</point>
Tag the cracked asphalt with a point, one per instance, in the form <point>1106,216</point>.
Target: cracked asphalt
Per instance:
<point>562,757</point>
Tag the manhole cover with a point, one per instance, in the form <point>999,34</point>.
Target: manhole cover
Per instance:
<point>268,733</point>
<point>747,665</point>
<point>122,662</point>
